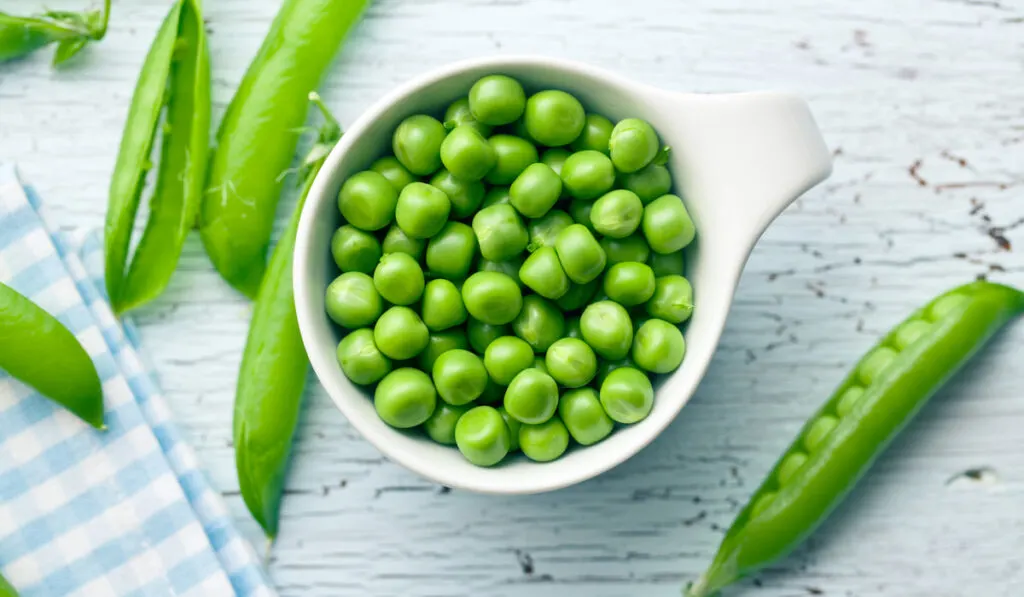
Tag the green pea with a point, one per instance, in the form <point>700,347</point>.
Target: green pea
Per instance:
<point>459,114</point>
<point>493,393</point>
<point>464,195</point>
<point>397,241</point>
<point>400,333</point>
<point>355,250</point>
<point>417,144</point>
<point>554,117</point>
<point>506,357</point>
<point>440,427</point>
<point>630,248</point>
<point>672,299</point>
<point>649,183</point>
<point>543,274</point>
<point>945,305</point>
<point>518,128</point>
<point>492,297</point>
<point>597,132</point>
<point>467,154</point>
<point>439,343</point>
<point>544,442</point>
<point>667,225</point>
<point>399,279</point>
<point>535,191</point>
<point>580,254</point>
<point>578,296</point>
<point>367,201</point>
<point>658,346</point>
<point>604,368</point>
<point>584,417</point>
<point>540,364</point>
<point>513,155</point>
<point>617,214</point>
<point>422,210</point>
<point>572,327</point>
<point>482,436</point>
<point>390,168</point>
<point>497,100</point>
<point>545,230</point>
<point>588,174</point>
<point>496,196</point>
<point>352,301</point>
<point>580,211</point>
<point>571,362</point>
<point>539,322</point>
<point>442,306</point>
<point>531,398</point>
<point>360,359</point>
<point>513,428</point>
<point>667,264</point>
<point>500,232</point>
<point>451,252</point>
<point>481,334</point>
<point>509,267</point>
<point>910,332</point>
<point>629,283</point>
<point>818,431</point>
<point>875,364</point>
<point>790,465</point>
<point>460,377</point>
<point>848,400</point>
<point>607,329</point>
<point>555,158</point>
<point>633,144</point>
<point>627,395</point>
<point>405,398</point>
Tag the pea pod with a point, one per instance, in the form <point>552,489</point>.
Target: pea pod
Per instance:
<point>175,76</point>
<point>258,136</point>
<point>6,590</point>
<point>71,31</point>
<point>274,365</point>
<point>38,350</point>
<point>839,443</point>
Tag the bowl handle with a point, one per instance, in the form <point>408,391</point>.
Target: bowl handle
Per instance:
<point>747,156</point>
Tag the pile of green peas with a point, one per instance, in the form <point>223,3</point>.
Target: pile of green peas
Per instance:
<point>512,276</point>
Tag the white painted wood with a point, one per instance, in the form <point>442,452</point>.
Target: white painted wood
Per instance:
<point>894,83</point>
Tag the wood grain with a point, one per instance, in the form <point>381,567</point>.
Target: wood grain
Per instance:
<point>923,103</point>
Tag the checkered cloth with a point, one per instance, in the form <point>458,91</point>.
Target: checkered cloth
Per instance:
<point>123,513</point>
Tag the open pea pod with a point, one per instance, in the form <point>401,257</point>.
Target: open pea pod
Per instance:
<point>71,31</point>
<point>274,365</point>
<point>39,351</point>
<point>174,84</point>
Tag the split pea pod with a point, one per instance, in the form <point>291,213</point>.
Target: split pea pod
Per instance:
<point>257,139</point>
<point>174,83</point>
<point>838,444</point>
<point>39,351</point>
<point>274,365</point>
<point>71,31</point>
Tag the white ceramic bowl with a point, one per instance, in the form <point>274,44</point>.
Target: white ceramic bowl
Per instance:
<point>737,160</point>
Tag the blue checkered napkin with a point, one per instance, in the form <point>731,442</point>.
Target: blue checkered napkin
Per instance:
<point>122,513</point>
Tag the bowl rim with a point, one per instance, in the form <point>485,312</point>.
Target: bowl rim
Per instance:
<point>524,484</point>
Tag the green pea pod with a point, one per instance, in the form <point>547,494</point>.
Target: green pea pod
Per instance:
<point>258,136</point>
<point>175,76</point>
<point>872,405</point>
<point>274,365</point>
<point>38,350</point>
<point>6,590</point>
<point>71,31</point>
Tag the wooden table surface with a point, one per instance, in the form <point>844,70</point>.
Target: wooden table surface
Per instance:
<point>923,104</point>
